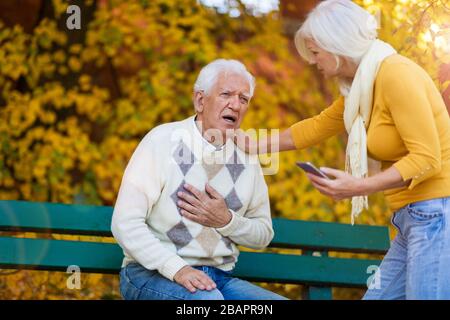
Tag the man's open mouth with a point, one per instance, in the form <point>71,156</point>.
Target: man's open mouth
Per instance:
<point>230,119</point>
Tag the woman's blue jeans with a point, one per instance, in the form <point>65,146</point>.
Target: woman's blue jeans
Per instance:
<point>417,266</point>
<point>139,283</point>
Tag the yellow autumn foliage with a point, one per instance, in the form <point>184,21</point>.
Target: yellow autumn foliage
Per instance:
<point>72,111</point>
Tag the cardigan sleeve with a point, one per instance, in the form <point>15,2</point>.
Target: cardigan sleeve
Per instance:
<point>311,131</point>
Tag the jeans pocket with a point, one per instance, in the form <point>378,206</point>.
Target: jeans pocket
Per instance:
<point>426,210</point>
<point>127,289</point>
<point>394,223</point>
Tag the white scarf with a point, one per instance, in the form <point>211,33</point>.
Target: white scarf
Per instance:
<point>358,107</point>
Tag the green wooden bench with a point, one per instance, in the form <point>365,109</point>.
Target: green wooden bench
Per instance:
<point>318,273</point>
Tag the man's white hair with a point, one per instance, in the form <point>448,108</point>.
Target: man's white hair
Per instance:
<point>340,27</point>
<point>209,74</point>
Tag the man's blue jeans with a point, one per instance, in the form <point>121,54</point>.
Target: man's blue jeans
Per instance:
<point>417,266</point>
<point>138,283</point>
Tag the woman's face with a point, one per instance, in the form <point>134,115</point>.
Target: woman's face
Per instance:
<point>325,61</point>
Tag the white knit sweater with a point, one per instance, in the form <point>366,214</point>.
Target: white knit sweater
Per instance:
<point>146,221</point>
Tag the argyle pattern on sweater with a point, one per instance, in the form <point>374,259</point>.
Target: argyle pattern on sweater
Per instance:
<point>207,238</point>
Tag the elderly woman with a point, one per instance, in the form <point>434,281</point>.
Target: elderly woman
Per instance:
<point>394,114</point>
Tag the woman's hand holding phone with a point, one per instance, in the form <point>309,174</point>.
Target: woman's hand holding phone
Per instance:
<point>342,186</point>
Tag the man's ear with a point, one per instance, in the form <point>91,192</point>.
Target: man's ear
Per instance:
<point>199,101</point>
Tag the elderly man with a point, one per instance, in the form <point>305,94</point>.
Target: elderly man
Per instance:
<point>189,196</point>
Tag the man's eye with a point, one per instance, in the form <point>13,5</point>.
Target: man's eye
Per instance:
<point>225,94</point>
<point>244,100</point>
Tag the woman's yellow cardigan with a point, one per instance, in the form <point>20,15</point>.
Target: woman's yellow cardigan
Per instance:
<point>409,128</point>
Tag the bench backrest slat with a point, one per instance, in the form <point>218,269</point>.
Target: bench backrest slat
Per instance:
<point>326,236</point>
<point>96,220</point>
<point>47,217</point>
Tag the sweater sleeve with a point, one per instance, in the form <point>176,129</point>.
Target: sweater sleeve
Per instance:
<point>406,97</point>
<point>140,188</point>
<point>311,131</point>
<point>254,228</point>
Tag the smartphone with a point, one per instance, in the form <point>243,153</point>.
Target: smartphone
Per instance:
<point>310,168</point>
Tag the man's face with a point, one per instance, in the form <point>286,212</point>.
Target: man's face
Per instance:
<point>226,104</point>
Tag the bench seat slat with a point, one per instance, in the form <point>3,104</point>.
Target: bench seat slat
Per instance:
<point>43,254</point>
<point>310,270</point>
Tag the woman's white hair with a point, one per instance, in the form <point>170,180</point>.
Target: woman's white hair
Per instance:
<point>340,27</point>
<point>209,74</point>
